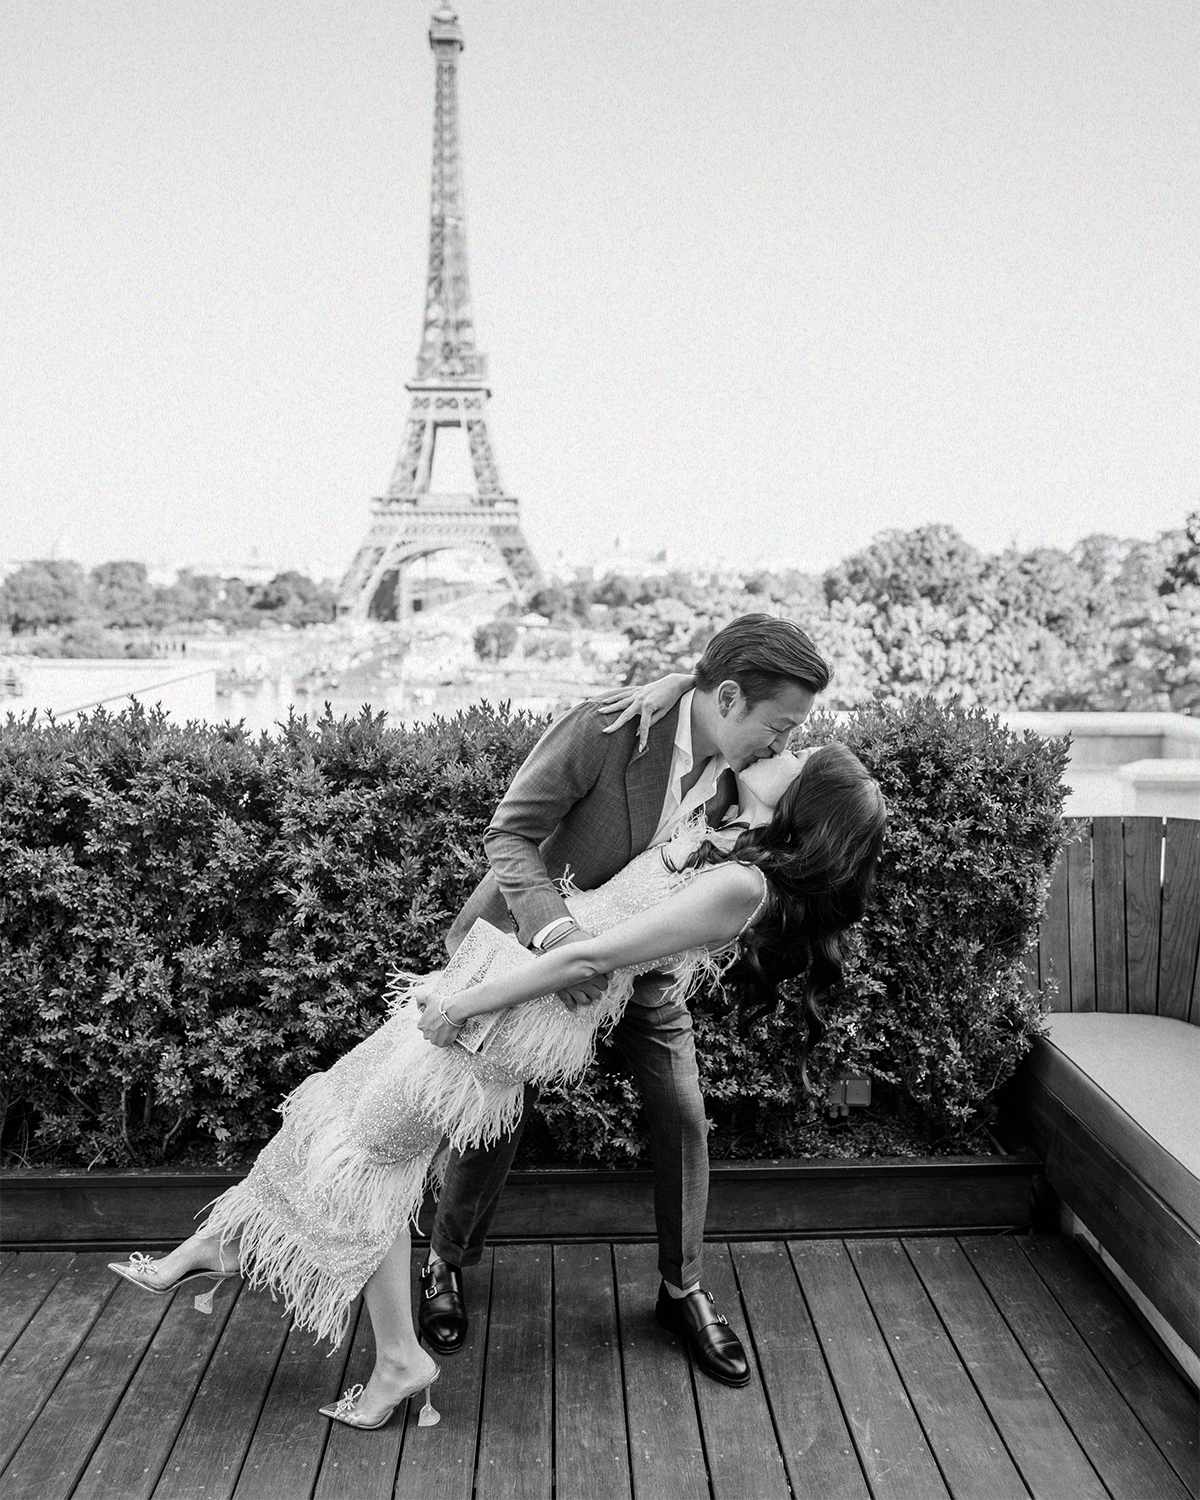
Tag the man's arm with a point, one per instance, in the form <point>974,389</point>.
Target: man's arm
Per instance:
<point>559,771</point>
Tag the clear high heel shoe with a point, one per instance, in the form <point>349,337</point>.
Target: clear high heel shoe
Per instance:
<point>139,1266</point>
<point>428,1416</point>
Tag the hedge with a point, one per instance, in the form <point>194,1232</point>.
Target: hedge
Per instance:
<point>192,919</point>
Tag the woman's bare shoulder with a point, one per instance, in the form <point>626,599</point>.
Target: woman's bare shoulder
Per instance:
<point>737,882</point>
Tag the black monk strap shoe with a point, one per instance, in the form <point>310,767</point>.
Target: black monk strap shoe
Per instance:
<point>442,1314</point>
<point>714,1345</point>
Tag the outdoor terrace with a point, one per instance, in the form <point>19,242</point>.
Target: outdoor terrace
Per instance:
<point>972,1366</point>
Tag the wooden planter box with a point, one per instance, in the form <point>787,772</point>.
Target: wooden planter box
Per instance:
<point>748,1200</point>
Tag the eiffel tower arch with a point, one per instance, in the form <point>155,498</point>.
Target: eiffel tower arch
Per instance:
<point>448,399</point>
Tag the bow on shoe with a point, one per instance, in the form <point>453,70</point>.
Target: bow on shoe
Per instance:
<point>345,1407</point>
<point>145,1272</point>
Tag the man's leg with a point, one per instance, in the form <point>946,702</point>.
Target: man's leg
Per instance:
<point>470,1194</point>
<point>465,1207</point>
<point>655,1041</point>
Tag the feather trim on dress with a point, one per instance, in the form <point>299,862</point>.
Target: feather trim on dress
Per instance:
<point>361,1143</point>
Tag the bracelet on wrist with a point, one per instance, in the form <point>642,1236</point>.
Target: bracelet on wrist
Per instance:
<point>441,1010</point>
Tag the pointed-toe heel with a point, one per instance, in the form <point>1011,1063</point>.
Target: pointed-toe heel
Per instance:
<point>345,1410</point>
<point>140,1265</point>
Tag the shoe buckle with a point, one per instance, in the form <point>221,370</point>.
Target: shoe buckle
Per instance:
<point>721,1318</point>
<point>431,1292</point>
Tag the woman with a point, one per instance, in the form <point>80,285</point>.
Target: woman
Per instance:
<point>325,1211</point>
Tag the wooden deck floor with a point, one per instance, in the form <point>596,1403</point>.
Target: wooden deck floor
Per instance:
<point>973,1367</point>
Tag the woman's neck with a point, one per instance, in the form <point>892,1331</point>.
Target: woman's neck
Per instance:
<point>751,809</point>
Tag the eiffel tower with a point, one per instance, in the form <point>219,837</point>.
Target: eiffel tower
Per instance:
<point>448,392</point>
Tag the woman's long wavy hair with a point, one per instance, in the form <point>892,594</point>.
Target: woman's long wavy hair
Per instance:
<point>819,854</point>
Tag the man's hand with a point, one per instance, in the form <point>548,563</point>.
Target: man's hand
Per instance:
<point>588,991</point>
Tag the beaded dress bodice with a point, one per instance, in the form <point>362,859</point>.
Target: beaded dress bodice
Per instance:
<point>643,883</point>
<point>542,1040</point>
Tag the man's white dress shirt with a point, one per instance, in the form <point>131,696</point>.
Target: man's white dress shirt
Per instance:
<point>676,805</point>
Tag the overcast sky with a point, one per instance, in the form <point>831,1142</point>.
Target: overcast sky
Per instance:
<point>757,278</point>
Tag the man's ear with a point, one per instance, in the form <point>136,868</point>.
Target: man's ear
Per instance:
<point>728,694</point>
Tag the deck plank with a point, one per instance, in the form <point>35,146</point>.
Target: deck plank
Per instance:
<point>1108,859</point>
<point>1158,1393</point>
<point>1143,911</point>
<point>665,1448</point>
<point>139,1435</point>
<point>1180,932</point>
<point>591,1442</point>
<point>289,1439</point>
<point>1081,923</point>
<point>1045,1450</point>
<point>1116,1443</point>
<point>1054,938</point>
<point>27,1277</point>
<point>35,1363</point>
<point>890,1442</point>
<point>744,1461</point>
<point>438,1463</point>
<point>57,1447</point>
<point>970,1452</point>
<point>816,1444</point>
<point>208,1451</point>
<point>516,1424</point>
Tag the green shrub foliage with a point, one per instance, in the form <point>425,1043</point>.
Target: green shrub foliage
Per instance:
<point>934,1001</point>
<point>193,919</point>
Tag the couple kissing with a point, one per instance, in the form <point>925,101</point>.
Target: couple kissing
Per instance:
<point>698,849</point>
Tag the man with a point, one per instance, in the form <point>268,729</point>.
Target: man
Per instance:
<point>590,802</point>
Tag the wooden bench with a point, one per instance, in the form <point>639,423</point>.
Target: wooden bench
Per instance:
<point>1111,1098</point>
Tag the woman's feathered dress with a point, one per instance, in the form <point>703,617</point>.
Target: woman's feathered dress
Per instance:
<point>350,1165</point>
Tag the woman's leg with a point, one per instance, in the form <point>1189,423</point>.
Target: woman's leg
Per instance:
<point>399,1359</point>
<point>198,1252</point>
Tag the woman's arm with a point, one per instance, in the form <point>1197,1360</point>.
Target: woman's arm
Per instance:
<point>647,704</point>
<point>708,913</point>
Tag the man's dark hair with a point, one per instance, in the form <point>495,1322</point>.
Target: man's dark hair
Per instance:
<point>761,654</point>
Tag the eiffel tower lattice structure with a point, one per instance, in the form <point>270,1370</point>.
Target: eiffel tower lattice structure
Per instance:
<point>413,520</point>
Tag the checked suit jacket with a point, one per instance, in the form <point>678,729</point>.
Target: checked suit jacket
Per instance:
<point>583,801</point>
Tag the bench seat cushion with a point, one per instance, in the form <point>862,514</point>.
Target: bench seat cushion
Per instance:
<point>1135,1082</point>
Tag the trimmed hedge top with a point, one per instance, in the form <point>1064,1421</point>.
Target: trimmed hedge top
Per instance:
<point>193,919</point>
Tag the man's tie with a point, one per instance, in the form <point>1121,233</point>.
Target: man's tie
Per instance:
<point>723,798</point>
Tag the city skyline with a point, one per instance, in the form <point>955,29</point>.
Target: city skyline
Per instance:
<point>753,285</point>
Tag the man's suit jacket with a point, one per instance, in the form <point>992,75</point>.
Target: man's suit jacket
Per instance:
<point>583,801</point>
